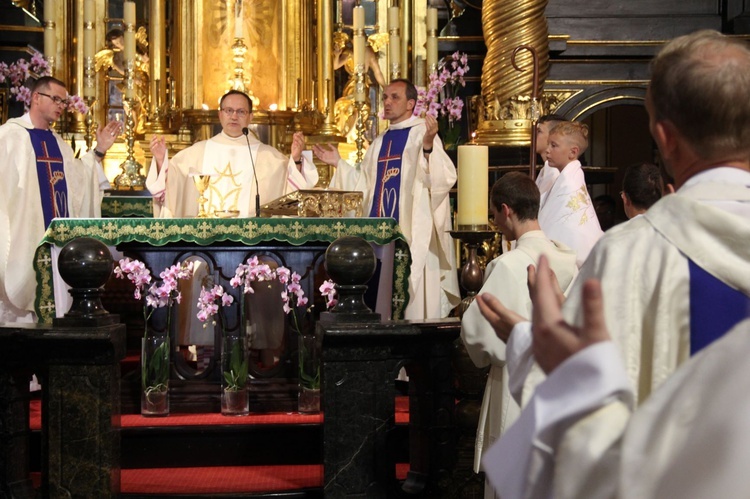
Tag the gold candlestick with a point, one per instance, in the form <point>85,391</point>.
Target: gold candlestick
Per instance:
<point>131,177</point>
<point>201,183</point>
<point>88,136</point>
<point>472,275</point>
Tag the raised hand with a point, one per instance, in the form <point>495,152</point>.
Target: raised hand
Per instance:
<point>554,340</point>
<point>106,136</point>
<point>327,153</point>
<point>298,145</point>
<point>158,147</point>
<point>432,129</point>
<point>502,319</point>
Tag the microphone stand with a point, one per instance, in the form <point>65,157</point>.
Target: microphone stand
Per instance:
<point>245,132</point>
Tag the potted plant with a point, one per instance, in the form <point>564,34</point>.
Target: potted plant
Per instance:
<point>155,347</point>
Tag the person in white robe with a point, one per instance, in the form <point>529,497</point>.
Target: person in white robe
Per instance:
<point>515,204</point>
<point>420,202</point>
<point>577,437</point>
<point>23,216</point>
<point>232,159</point>
<point>566,213</point>
<point>655,266</point>
<point>547,175</point>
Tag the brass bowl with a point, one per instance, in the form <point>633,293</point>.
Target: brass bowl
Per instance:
<point>227,213</point>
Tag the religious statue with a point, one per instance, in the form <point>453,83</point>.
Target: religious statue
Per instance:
<point>344,111</point>
<point>111,61</point>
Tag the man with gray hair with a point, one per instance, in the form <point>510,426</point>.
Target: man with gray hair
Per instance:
<point>675,280</point>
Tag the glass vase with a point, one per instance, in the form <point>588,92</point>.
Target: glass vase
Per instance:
<point>310,348</point>
<point>155,376</point>
<point>234,366</point>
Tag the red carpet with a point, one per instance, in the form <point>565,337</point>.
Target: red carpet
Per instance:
<point>221,479</point>
<point>138,421</point>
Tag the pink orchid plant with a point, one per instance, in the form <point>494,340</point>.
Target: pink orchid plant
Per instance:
<point>16,75</point>
<point>441,100</point>
<point>156,295</point>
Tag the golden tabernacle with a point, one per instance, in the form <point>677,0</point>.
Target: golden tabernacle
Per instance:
<point>324,203</point>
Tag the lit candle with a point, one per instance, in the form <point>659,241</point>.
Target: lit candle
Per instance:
<point>89,47</point>
<point>50,42</point>
<point>394,42</point>
<point>473,185</point>
<point>238,19</point>
<point>129,50</point>
<point>432,51</point>
<point>359,49</point>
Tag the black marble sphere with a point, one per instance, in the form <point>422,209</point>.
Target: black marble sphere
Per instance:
<point>350,260</point>
<point>85,264</point>
<point>350,263</point>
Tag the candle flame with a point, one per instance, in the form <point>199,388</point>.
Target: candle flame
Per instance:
<point>273,107</point>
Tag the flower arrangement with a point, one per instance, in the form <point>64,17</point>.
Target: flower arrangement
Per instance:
<point>292,297</point>
<point>16,75</point>
<point>155,371</point>
<point>440,100</point>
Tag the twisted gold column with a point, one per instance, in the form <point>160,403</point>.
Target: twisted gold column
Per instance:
<point>505,103</point>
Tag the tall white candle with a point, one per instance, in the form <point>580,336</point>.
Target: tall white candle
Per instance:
<point>473,185</point>
<point>394,41</point>
<point>129,50</point>
<point>358,43</point>
<point>50,41</point>
<point>89,41</point>
<point>432,51</point>
<point>238,19</point>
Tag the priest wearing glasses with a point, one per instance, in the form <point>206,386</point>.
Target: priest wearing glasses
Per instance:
<point>41,180</point>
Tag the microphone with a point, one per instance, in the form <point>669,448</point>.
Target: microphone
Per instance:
<point>245,132</point>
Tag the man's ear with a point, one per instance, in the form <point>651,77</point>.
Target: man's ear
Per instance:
<point>507,210</point>
<point>666,138</point>
<point>411,104</point>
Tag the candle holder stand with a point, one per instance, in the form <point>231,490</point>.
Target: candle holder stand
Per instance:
<point>131,176</point>
<point>88,135</point>
<point>472,275</point>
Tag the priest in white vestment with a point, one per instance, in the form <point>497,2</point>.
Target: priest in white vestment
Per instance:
<point>406,174</point>
<point>41,180</point>
<point>515,204</point>
<point>232,159</point>
<point>677,278</point>
<point>566,213</point>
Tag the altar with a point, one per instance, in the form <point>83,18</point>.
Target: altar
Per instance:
<point>218,246</point>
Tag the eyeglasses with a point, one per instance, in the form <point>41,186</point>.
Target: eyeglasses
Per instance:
<point>241,113</point>
<point>57,100</point>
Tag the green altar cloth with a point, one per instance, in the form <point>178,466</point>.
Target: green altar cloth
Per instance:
<point>207,231</point>
<point>127,206</point>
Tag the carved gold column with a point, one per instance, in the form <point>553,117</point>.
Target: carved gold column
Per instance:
<point>326,96</point>
<point>157,60</point>
<point>505,103</point>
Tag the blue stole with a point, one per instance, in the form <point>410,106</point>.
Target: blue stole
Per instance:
<point>714,308</point>
<point>388,181</point>
<point>53,190</point>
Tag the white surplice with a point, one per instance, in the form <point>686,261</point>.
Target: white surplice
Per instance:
<point>576,438</point>
<point>506,279</point>
<point>545,180</point>
<point>424,217</point>
<point>566,213</point>
<point>232,185</point>
<point>21,218</point>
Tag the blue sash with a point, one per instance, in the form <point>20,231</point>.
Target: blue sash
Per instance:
<point>388,181</point>
<point>714,308</point>
<point>53,190</point>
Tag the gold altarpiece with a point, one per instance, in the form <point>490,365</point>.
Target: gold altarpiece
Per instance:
<point>194,64</point>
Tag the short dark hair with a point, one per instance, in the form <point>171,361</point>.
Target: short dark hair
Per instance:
<point>551,117</point>
<point>519,192</point>
<point>42,84</point>
<point>411,90</point>
<point>237,92</point>
<point>643,184</point>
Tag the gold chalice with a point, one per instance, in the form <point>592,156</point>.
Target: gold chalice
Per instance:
<point>201,183</point>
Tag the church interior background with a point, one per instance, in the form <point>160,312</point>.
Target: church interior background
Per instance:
<point>295,58</point>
